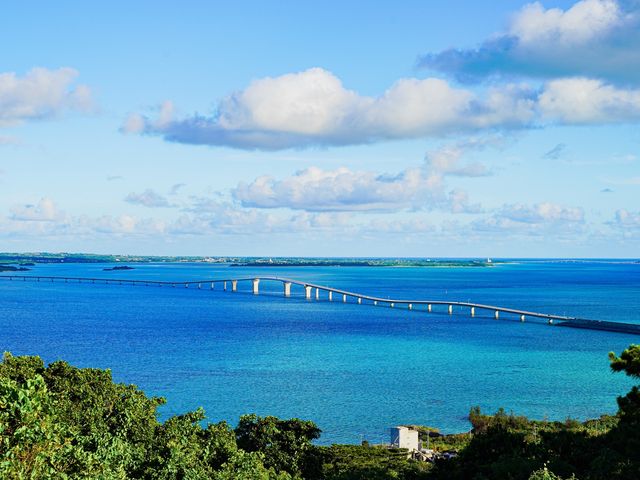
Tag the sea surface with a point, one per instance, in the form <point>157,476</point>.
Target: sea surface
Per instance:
<point>355,370</point>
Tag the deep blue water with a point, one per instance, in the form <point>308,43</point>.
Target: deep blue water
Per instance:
<point>354,370</point>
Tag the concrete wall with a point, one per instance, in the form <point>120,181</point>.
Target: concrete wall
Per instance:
<point>403,437</point>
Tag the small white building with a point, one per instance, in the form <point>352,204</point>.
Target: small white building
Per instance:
<point>405,437</point>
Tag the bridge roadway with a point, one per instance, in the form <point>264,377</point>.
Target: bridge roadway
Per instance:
<point>308,287</point>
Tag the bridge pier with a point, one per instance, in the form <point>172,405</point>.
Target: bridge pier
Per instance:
<point>234,285</point>
<point>224,286</point>
<point>429,308</point>
<point>551,321</point>
<point>199,286</point>
<point>375,302</point>
<point>186,285</point>
<point>307,292</point>
<point>450,309</point>
<point>330,296</point>
<point>317,294</point>
<point>359,300</point>
<point>522,318</point>
<point>255,282</point>
<point>212,284</point>
<point>496,314</point>
<point>287,288</point>
<point>344,298</point>
<point>410,307</point>
<point>392,304</point>
<point>473,311</point>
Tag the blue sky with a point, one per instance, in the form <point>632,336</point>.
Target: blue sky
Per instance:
<point>322,129</point>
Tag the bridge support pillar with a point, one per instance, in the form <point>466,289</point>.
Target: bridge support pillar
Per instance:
<point>287,288</point>
<point>392,304</point>
<point>410,307</point>
<point>450,309</point>
<point>212,285</point>
<point>551,321</point>
<point>344,298</point>
<point>375,302</point>
<point>186,285</point>
<point>307,292</point>
<point>429,307</point>
<point>199,286</point>
<point>473,311</point>
<point>330,296</point>
<point>496,314</point>
<point>255,282</point>
<point>224,286</point>
<point>359,300</point>
<point>234,285</point>
<point>522,318</point>
<point>317,294</point>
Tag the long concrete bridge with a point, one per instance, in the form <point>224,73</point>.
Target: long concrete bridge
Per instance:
<point>314,291</point>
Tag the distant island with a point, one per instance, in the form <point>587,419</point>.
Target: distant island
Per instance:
<point>118,267</point>
<point>45,257</point>
<point>12,268</point>
<point>360,262</point>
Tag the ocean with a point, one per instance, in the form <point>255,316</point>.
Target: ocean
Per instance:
<point>355,370</point>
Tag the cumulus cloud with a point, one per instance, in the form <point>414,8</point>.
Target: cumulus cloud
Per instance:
<point>592,38</point>
<point>314,108</point>
<point>40,94</point>
<point>315,189</point>
<point>149,198</point>
<point>537,219</point>
<point>588,101</point>
<point>44,211</point>
<point>447,160</point>
<point>626,220</point>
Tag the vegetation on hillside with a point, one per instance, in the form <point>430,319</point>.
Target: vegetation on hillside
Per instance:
<point>59,421</point>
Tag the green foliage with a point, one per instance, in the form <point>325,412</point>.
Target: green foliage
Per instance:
<point>545,474</point>
<point>63,422</point>
<point>628,361</point>
<point>355,462</point>
<point>283,443</point>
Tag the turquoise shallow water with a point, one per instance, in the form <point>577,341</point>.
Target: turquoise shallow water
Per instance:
<point>355,370</point>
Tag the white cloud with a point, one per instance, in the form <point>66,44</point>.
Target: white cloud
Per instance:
<point>447,160</point>
<point>592,38</point>
<point>40,94</point>
<point>626,220</point>
<point>148,198</point>
<point>44,211</point>
<point>585,21</point>
<point>545,212</point>
<point>314,189</point>
<point>544,218</point>
<point>583,100</point>
<point>314,108</point>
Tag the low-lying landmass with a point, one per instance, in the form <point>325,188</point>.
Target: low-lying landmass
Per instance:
<point>59,421</point>
<point>44,257</point>
<point>118,268</point>
<point>13,268</point>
